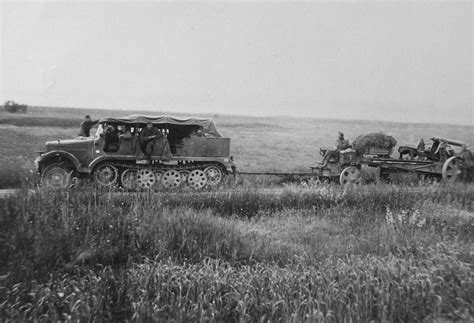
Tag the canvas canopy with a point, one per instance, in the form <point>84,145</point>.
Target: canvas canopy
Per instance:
<point>206,123</point>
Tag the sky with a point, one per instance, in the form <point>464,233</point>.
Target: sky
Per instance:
<point>376,60</point>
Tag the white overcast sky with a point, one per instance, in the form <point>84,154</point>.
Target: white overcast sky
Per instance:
<point>379,60</point>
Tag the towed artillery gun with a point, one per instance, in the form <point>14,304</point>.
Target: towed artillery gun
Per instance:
<point>440,150</point>
<point>190,152</point>
<point>446,160</point>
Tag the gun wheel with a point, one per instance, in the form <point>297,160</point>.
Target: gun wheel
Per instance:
<point>55,176</point>
<point>145,179</point>
<point>350,175</point>
<point>197,179</point>
<point>106,174</point>
<point>213,175</point>
<point>129,179</point>
<point>171,178</point>
<point>452,169</point>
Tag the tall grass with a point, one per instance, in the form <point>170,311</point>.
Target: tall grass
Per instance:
<point>367,200</point>
<point>16,172</point>
<point>436,287</point>
<point>53,228</point>
<point>318,253</point>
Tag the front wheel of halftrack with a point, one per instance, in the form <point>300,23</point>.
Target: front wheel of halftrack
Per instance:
<point>106,175</point>
<point>350,176</point>
<point>197,179</point>
<point>452,169</point>
<point>171,178</point>
<point>129,179</point>
<point>56,176</point>
<point>213,175</point>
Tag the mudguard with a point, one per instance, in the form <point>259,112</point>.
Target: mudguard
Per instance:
<point>42,160</point>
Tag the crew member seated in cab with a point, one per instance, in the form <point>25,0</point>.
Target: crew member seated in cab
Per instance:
<point>111,137</point>
<point>148,139</point>
<point>125,133</point>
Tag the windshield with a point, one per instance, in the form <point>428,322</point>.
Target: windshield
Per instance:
<point>100,129</point>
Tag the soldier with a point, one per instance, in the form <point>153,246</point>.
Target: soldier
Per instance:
<point>86,126</point>
<point>148,138</point>
<point>111,137</point>
<point>125,133</point>
<point>341,144</point>
<point>197,133</point>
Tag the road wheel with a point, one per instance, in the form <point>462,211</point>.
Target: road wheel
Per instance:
<point>350,175</point>
<point>171,178</point>
<point>129,179</point>
<point>197,179</point>
<point>452,169</point>
<point>146,179</point>
<point>106,174</point>
<point>213,175</point>
<point>56,176</point>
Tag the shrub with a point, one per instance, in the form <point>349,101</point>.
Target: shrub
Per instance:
<point>13,107</point>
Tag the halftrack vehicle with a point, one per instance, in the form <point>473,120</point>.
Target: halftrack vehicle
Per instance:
<point>188,152</point>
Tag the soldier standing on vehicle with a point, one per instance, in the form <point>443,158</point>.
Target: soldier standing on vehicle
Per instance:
<point>148,138</point>
<point>341,144</point>
<point>86,126</point>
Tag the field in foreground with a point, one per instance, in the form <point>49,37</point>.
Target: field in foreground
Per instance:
<point>380,252</point>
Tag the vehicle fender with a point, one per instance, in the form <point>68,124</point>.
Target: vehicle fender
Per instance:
<point>55,154</point>
<point>97,160</point>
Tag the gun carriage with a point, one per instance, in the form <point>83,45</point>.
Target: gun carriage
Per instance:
<point>445,159</point>
<point>440,161</point>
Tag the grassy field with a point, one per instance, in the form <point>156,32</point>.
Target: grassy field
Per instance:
<point>312,253</point>
<point>258,144</point>
<point>383,253</point>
